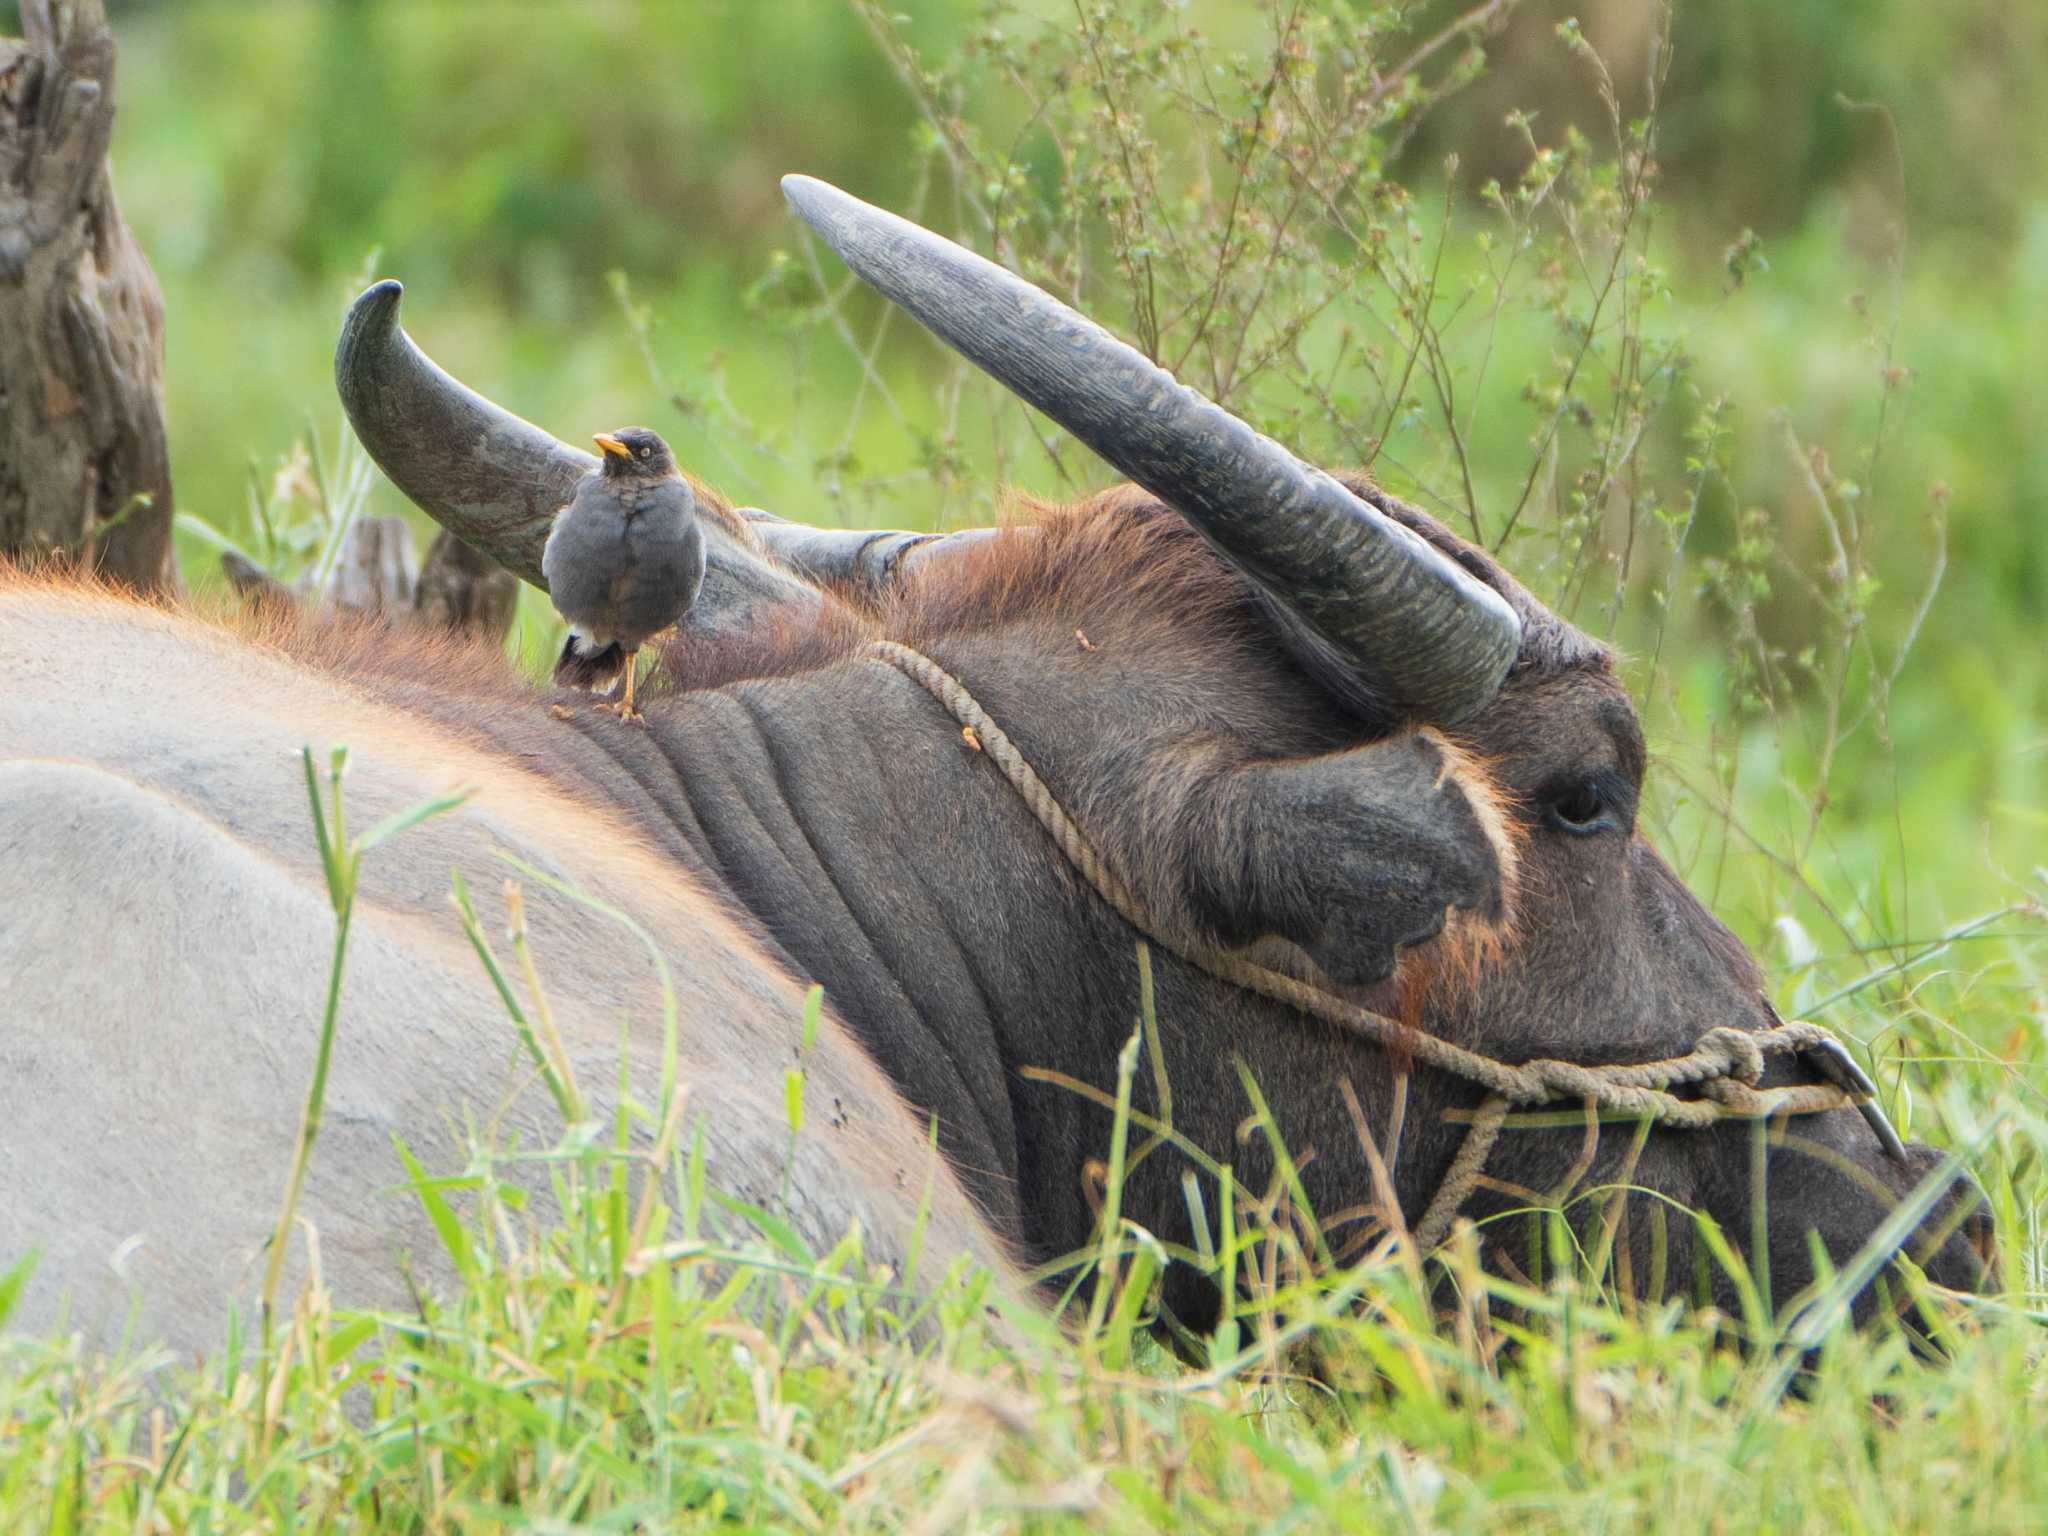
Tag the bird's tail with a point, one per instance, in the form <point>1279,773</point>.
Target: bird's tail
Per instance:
<point>593,668</point>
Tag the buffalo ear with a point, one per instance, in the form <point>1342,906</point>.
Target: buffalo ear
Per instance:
<point>1356,856</point>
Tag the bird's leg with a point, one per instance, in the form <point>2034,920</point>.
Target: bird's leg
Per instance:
<point>625,708</point>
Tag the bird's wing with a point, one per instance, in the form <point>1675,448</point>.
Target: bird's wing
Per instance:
<point>585,551</point>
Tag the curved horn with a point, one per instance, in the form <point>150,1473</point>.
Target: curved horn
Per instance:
<point>1372,611</point>
<point>492,479</point>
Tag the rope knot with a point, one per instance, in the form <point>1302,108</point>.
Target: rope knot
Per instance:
<point>1803,1035</point>
<point>1726,1052</point>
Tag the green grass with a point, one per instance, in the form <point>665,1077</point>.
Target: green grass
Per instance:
<point>662,1358</point>
<point>546,1397</point>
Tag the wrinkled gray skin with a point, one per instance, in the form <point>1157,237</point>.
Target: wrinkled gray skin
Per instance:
<point>165,939</point>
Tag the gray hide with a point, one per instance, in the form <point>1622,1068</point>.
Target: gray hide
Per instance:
<point>166,942</point>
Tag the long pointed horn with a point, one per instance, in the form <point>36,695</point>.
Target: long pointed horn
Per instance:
<point>492,479</point>
<point>1372,611</point>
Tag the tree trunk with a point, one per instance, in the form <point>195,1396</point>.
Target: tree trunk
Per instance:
<point>375,574</point>
<point>84,468</point>
<point>377,570</point>
<point>462,589</point>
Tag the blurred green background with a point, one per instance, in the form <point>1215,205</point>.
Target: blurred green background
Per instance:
<point>1848,247</point>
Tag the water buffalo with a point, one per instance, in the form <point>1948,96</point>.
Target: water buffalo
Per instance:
<point>1298,722</point>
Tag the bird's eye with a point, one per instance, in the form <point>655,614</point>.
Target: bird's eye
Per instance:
<point>644,450</point>
<point>1581,808</point>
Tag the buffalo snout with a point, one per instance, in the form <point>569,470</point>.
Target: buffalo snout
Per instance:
<point>1844,1189</point>
<point>1957,1244</point>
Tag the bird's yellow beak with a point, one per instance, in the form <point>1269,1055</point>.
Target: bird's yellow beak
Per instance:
<point>612,445</point>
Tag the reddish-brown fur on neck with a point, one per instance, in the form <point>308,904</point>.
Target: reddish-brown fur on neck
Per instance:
<point>1118,561</point>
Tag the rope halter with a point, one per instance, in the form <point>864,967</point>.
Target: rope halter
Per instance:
<point>1725,1065</point>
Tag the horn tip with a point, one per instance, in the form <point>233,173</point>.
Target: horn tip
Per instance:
<point>818,203</point>
<point>378,302</point>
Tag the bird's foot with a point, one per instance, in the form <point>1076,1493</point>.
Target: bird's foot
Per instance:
<point>626,712</point>
<point>561,712</point>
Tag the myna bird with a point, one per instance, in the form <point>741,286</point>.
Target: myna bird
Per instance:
<point>623,561</point>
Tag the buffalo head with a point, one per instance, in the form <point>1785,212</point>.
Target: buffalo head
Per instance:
<point>1303,722</point>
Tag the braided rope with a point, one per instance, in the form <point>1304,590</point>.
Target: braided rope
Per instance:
<point>1463,1175</point>
<point>1725,1064</point>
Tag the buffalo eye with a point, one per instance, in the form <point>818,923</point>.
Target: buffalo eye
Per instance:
<point>1582,808</point>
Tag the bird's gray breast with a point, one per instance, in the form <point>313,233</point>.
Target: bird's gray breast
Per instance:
<point>623,562</point>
